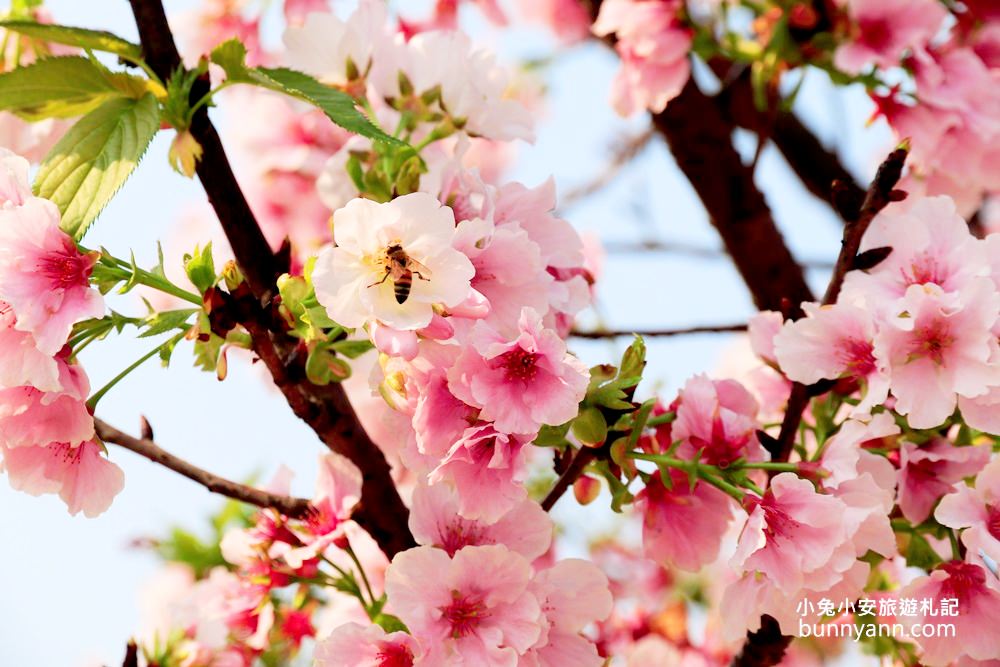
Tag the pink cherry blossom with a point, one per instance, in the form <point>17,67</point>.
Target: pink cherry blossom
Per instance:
<point>717,418</point>
<point>977,510</point>
<point>14,187</point>
<point>510,272</point>
<point>43,277</point>
<point>354,645</point>
<point>683,527</point>
<point>33,418</point>
<point>793,534</point>
<point>351,279</point>
<point>940,346</point>
<point>486,468</point>
<point>978,609</point>
<point>927,473</point>
<point>215,22</point>
<point>85,480</point>
<point>23,362</point>
<point>338,490</point>
<point>653,46</point>
<point>881,31</point>
<point>931,244</point>
<point>762,328</point>
<point>982,412</point>
<point>475,608</point>
<point>573,593</point>
<point>523,383</point>
<point>435,521</point>
<point>568,19</point>
<point>833,342</point>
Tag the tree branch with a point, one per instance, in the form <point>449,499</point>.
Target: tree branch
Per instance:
<point>293,507</point>
<point>659,333</point>
<point>326,409</point>
<point>701,141</point>
<point>880,194</point>
<point>815,165</point>
<point>690,250</point>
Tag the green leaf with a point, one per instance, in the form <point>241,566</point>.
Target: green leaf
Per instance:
<point>590,427</point>
<point>91,162</point>
<point>634,359</point>
<point>166,321</point>
<point>919,552</point>
<point>56,88</point>
<point>352,349</point>
<point>200,268</point>
<point>390,623</point>
<point>95,40</point>
<point>336,104</point>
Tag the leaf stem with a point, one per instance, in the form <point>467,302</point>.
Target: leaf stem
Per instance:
<point>93,400</point>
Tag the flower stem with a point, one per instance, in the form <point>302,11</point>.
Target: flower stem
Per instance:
<point>93,400</point>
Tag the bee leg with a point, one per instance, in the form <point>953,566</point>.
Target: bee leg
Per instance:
<point>420,275</point>
<point>379,282</point>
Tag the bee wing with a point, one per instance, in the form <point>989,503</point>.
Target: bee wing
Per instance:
<point>417,267</point>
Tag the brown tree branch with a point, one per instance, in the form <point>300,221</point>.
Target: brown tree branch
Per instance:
<point>659,333</point>
<point>815,165</point>
<point>880,194</point>
<point>691,250</point>
<point>293,507</point>
<point>700,138</point>
<point>326,409</point>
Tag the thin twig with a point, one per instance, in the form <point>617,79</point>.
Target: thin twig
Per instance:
<point>880,194</point>
<point>620,158</point>
<point>691,250</point>
<point>289,506</point>
<point>660,333</point>
<point>581,460</point>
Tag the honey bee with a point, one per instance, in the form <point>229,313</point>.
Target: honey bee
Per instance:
<point>401,268</point>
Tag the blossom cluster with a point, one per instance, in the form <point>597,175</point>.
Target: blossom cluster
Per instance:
<point>47,437</point>
<point>931,67</point>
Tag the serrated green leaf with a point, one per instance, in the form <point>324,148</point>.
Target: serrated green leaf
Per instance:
<point>91,162</point>
<point>336,104</point>
<point>95,40</point>
<point>60,87</point>
<point>919,553</point>
<point>167,320</point>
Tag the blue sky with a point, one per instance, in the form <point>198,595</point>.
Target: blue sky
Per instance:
<point>71,584</point>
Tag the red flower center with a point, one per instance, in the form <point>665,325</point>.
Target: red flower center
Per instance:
<point>993,521</point>
<point>463,614</point>
<point>519,364</point>
<point>66,267</point>
<point>394,655</point>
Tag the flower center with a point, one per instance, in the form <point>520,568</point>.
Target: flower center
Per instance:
<point>932,341</point>
<point>463,615</point>
<point>993,521</point>
<point>66,268</point>
<point>394,655</point>
<point>520,364</point>
<point>859,357</point>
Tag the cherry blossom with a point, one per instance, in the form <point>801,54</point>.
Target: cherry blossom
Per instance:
<point>653,46</point>
<point>519,384</point>
<point>927,473</point>
<point>475,607</point>
<point>681,526</point>
<point>44,278</point>
<point>977,510</point>
<point>978,605</point>
<point>354,645</point>
<point>879,32</point>
<point>352,279</point>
